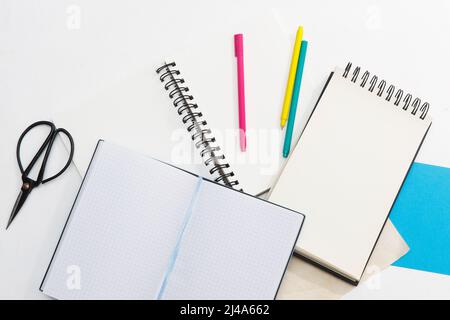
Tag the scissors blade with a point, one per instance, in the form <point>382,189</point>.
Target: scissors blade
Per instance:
<point>23,195</point>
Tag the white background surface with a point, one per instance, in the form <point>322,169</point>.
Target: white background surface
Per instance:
<point>51,57</point>
<point>401,283</point>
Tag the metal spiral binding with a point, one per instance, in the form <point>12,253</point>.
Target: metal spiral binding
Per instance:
<point>380,86</point>
<point>196,126</point>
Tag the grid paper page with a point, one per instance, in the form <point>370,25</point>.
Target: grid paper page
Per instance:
<point>122,229</point>
<point>346,171</point>
<point>234,247</point>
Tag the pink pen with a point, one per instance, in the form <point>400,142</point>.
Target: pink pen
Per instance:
<point>239,53</point>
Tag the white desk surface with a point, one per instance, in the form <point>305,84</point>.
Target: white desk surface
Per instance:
<point>56,52</point>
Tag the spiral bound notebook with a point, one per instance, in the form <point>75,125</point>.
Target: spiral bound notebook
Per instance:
<point>348,167</point>
<point>197,126</point>
<point>143,229</point>
<point>134,110</point>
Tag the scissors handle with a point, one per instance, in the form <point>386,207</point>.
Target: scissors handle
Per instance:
<point>47,153</point>
<point>46,146</point>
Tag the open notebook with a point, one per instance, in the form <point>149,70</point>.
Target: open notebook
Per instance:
<point>136,111</point>
<point>348,167</point>
<point>143,229</point>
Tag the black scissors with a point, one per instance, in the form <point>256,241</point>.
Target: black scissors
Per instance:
<point>29,184</point>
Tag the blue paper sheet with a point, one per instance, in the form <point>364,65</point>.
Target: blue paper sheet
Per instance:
<point>422,216</point>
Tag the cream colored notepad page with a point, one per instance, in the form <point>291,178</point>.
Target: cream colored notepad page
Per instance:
<point>345,173</point>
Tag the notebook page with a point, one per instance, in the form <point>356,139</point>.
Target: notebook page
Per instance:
<point>346,171</point>
<point>122,228</point>
<point>234,247</point>
<point>264,92</point>
<point>139,105</point>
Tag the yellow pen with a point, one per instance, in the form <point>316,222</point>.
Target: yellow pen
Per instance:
<point>291,79</point>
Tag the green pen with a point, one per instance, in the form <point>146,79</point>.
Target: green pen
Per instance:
<point>294,101</point>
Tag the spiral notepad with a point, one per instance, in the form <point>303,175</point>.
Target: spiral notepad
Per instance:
<point>391,91</point>
<point>197,126</point>
<point>348,167</point>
